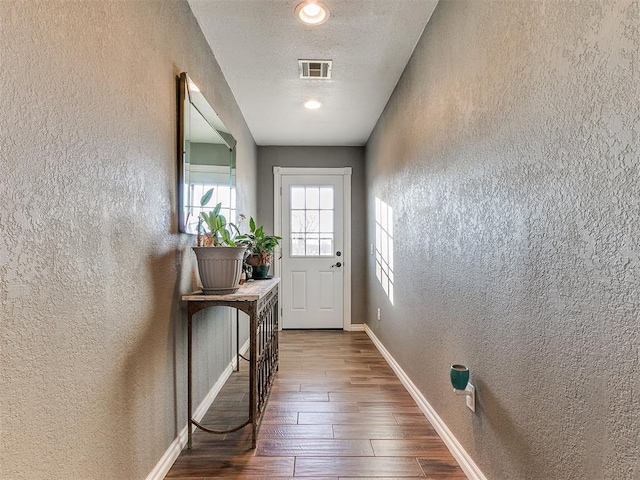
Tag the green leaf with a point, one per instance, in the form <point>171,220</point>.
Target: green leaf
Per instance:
<point>252,225</point>
<point>232,226</point>
<point>216,211</point>
<point>227,238</point>
<point>206,197</point>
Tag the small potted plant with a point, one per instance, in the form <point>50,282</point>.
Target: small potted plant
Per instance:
<point>261,248</point>
<point>219,255</point>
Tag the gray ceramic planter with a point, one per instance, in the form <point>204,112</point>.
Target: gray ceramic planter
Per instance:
<point>220,268</point>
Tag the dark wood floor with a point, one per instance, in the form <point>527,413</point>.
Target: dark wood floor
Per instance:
<point>336,411</point>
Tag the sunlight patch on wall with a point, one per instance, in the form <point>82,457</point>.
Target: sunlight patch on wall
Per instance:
<point>384,247</point>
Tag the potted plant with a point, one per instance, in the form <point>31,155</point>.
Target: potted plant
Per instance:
<point>219,255</point>
<point>261,248</point>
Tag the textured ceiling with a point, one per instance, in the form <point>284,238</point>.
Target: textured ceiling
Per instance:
<point>258,43</point>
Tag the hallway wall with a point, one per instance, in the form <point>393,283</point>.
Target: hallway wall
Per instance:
<point>509,155</point>
<point>328,157</point>
<point>91,267</point>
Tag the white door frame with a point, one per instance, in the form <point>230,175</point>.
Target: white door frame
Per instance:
<point>277,225</point>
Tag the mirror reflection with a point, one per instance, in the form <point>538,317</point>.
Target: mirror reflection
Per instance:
<point>207,159</point>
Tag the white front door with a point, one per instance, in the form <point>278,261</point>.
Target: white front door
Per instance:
<point>313,256</point>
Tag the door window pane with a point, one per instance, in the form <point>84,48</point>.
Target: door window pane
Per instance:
<point>313,244</point>
<point>297,245</point>
<point>326,245</point>
<point>312,221</point>
<point>298,221</point>
<point>297,198</point>
<point>326,221</point>
<point>326,198</point>
<point>313,197</point>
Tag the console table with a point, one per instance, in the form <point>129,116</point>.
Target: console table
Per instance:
<point>259,300</point>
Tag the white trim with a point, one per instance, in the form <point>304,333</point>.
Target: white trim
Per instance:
<point>277,231</point>
<point>217,174</point>
<point>462,457</point>
<point>196,167</point>
<point>312,171</point>
<point>347,250</point>
<point>277,221</point>
<point>277,226</point>
<point>357,327</point>
<point>169,457</point>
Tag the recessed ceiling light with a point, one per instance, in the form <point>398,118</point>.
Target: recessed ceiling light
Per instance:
<point>312,104</point>
<point>312,12</point>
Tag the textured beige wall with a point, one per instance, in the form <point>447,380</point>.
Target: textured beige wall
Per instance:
<point>272,156</point>
<point>91,268</point>
<point>509,153</point>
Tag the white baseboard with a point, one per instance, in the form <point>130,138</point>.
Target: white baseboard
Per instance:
<point>172,453</point>
<point>357,327</point>
<point>169,457</point>
<point>462,457</point>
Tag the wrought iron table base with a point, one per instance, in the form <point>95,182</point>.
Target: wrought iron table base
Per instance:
<point>262,308</point>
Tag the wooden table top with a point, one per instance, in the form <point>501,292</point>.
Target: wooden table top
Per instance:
<point>249,291</point>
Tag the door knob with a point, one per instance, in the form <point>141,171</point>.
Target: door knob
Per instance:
<point>336,265</point>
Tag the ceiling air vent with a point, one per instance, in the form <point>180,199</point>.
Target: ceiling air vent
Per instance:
<point>315,69</point>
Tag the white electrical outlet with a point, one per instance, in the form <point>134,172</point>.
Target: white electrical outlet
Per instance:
<point>378,314</point>
<point>371,249</point>
<point>470,393</point>
<point>471,399</point>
